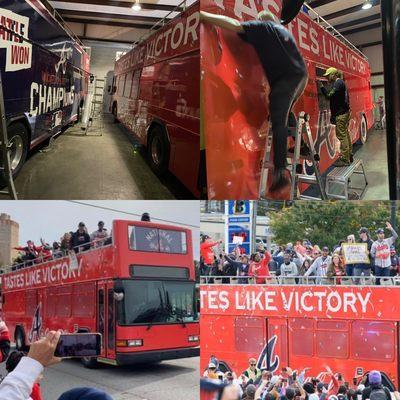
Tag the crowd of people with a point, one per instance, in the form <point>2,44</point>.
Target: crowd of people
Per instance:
<point>77,241</point>
<point>303,262</point>
<point>25,370</point>
<point>286,384</point>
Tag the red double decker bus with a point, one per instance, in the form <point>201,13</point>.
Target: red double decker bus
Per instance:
<point>235,114</point>
<point>351,329</point>
<point>138,292</point>
<point>156,95</point>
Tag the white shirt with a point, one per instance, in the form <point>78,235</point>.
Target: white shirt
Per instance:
<point>17,385</point>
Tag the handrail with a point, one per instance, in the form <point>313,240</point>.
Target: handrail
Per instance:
<point>278,280</point>
<point>41,260</point>
<point>335,33</point>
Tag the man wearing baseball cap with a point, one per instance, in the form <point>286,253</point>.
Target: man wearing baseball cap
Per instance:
<point>339,101</point>
<point>380,251</point>
<point>363,269</point>
<point>320,266</point>
<point>99,237</point>
<point>375,388</point>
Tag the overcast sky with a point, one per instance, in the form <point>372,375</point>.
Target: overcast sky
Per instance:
<point>51,219</point>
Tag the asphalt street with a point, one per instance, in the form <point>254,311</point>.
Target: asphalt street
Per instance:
<point>176,379</point>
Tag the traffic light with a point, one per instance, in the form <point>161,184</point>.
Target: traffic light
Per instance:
<point>239,207</point>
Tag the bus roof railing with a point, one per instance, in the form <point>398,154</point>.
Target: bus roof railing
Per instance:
<point>180,7</point>
<point>94,245</point>
<point>334,32</point>
<point>278,280</point>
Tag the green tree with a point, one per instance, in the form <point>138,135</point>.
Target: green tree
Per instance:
<point>326,223</point>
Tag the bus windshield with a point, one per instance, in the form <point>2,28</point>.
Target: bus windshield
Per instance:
<point>153,302</point>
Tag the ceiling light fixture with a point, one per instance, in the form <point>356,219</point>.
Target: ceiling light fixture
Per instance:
<point>136,6</point>
<point>367,5</point>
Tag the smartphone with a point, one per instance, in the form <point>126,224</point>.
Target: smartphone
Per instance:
<point>79,345</point>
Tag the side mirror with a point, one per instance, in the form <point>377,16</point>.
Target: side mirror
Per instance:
<point>290,9</point>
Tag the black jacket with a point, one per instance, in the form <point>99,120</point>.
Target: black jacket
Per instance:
<point>367,391</point>
<point>81,239</point>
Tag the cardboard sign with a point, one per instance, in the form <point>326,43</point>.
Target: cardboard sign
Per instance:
<point>355,253</point>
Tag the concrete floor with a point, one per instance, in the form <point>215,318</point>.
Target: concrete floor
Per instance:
<point>374,156</point>
<point>94,167</point>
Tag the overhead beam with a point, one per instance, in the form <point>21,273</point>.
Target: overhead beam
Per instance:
<point>108,23</point>
<point>370,44</point>
<point>134,18</point>
<point>358,21</point>
<point>125,4</point>
<point>361,29</point>
<point>319,3</point>
<point>349,10</point>
<point>106,40</point>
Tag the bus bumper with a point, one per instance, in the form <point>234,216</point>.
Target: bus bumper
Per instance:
<point>157,355</point>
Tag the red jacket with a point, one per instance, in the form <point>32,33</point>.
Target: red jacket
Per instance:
<point>206,252</point>
<point>260,269</point>
<point>36,395</point>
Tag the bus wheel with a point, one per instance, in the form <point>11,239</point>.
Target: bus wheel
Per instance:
<point>89,362</point>
<point>18,140</point>
<point>363,130</point>
<point>114,113</point>
<point>158,151</point>
<point>19,337</point>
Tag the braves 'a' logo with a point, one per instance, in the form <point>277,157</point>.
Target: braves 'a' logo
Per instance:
<point>36,329</point>
<point>267,359</point>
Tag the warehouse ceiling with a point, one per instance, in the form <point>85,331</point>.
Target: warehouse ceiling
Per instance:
<point>346,16</point>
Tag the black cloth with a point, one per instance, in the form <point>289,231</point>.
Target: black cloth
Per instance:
<point>367,391</point>
<point>81,239</point>
<point>276,49</point>
<point>338,98</point>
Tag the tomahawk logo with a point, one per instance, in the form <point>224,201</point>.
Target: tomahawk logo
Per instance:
<point>14,29</point>
<point>65,55</point>
<point>36,325</point>
<point>267,359</point>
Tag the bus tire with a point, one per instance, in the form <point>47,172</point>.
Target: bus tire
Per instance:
<point>90,362</point>
<point>19,337</point>
<point>158,151</point>
<point>115,113</point>
<point>363,130</point>
<point>18,139</point>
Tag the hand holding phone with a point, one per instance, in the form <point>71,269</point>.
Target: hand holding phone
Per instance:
<point>79,345</point>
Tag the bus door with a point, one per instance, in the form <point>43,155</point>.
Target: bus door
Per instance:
<point>278,351</point>
<point>106,318</point>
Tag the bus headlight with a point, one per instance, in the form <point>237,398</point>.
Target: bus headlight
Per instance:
<point>194,338</point>
<point>135,343</point>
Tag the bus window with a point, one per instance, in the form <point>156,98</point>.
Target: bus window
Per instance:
<point>100,323</point>
<point>332,339</point>
<point>249,334</point>
<point>121,85</point>
<point>372,340</point>
<point>128,85</point>
<point>110,324</point>
<point>135,84</point>
<point>301,336</point>
<point>172,241</point>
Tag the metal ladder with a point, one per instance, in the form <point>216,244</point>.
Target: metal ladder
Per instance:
<point>96,107</point>
<point>296,168</point>
<point>5,149</point>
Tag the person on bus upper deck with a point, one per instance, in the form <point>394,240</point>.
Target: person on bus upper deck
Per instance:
<point>31,252</point>
<point>375,390</point>
<point>363,269</point>
<point>349,267</point>
<point>287,75</point>
<point>100,235</point>
<point>320,265</point>
<point>288,268</point>
<point>241,266</point>
<point>207,253</point>
<point>339,101</point>
<point>336,270</point>
<point>394,261</point>
<point>145,217</point>
<point>80,240</point>
<point>380,251</point>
